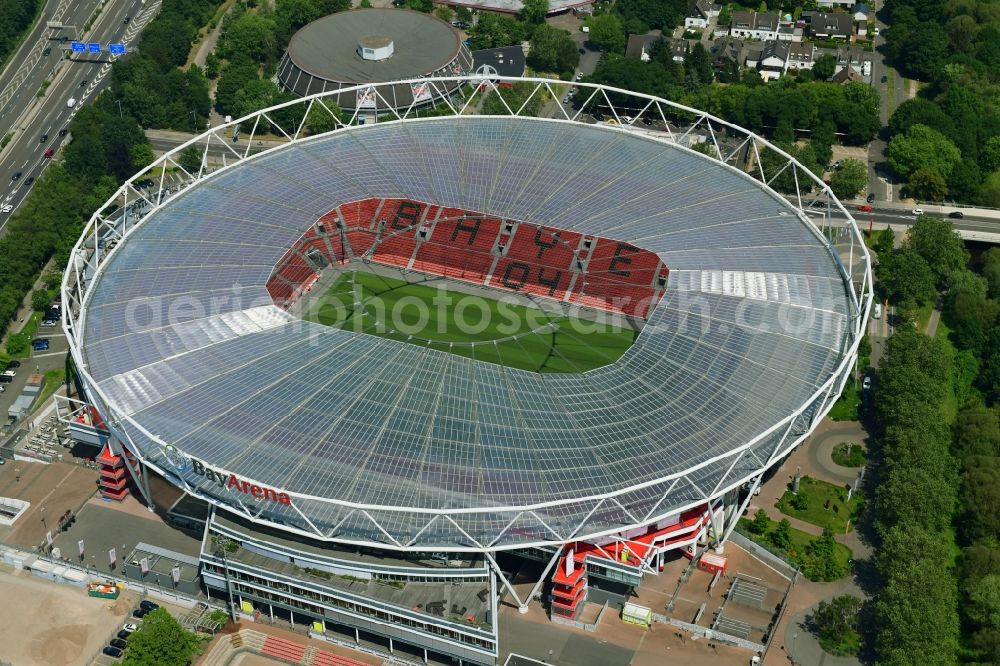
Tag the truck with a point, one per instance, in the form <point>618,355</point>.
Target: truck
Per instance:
<point>71,102</point>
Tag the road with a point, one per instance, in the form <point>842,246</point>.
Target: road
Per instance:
<point>81,78</point>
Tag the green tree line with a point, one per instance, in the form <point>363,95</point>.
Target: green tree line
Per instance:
<point>16,16</point>
<point>945,142</point>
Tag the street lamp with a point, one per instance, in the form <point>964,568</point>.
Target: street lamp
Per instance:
<point>791,653</point>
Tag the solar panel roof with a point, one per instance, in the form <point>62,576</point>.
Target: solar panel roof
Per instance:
<point>184,342</point>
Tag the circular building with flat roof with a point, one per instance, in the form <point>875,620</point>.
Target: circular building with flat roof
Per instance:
<point>375,46</point>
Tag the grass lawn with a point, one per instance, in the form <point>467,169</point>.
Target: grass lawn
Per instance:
<point>848,646</point>
<point>849,454</point>
<point>472,326</point>
<point>53,380</point>
<point>797,554</point>
<point>923,316</point>
<point>950,406</point>
<point>818,496</point>
<point>846,408</point>
<point>21,347</point>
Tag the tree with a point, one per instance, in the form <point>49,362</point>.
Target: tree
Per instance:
<point>249,35</point>
<point>989,154</point>
<point>977,432</point>
<point>493,31</point>
<point>760,523</point>
<point>698,63</point>
<point>190,159</point>
<point>922,147</point>
<point>821,142</point>
<point>463,14</point>
<point>918,110</point>
<point>989,374</point>
<point>849,179</point>
<point>824,66</point>
<point>781,537</point>
<point>534,11</point>
<point>835,622</point>
<point>445,13</point>
<point>927,184</point>
<point>254,95</point>
<point>971,317</point>
<point>552,50</point>
<point>160,641</point>
<point>927,50</point>
<point>607,33</point>
<point>233,78</point>
<point>322,119</point>
<point>515,97</point>
<point>936,240</point>
<point>991,270</point>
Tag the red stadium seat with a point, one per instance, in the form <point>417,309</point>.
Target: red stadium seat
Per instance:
<point>538,260</point>
<point>450,242</point>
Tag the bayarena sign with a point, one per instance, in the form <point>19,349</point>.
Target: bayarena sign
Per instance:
<point>185,464</point>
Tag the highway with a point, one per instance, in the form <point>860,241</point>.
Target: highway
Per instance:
<point>80,77</point>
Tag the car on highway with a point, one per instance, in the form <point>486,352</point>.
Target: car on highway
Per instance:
<point>46,52</point>
<point>867,384</point>
<point>63,132</point>
<point>83,83</point>
<point>871,197</point>
<point>71,102</point>
<point>918,211</point>
<point>865,209</point>
<point>6,208</point>
<point>29,181</point>
<point>112,651</point>
<point>49,152</point>
<point>956,214</point>
<point>16,176</point>
<point>126,20</point>
<point>43,138</point>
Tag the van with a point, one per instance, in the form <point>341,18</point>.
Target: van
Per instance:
<point>877,311</point>
<point>71,102</point>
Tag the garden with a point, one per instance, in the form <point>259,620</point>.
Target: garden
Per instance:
<point>823,504</point>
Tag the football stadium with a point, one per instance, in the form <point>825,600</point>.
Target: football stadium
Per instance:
<point>405,362</point>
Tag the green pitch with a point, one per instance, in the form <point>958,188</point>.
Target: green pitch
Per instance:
<point>485,329</point>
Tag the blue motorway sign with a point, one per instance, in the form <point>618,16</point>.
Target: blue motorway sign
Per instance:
<point>116,49</point>
<point>94,47</point>
<point>78,47</point>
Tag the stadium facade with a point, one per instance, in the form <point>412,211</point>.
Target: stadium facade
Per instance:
<point>388,492</point>
<point>382,47</point>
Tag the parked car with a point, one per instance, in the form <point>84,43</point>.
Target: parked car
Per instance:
<point>13,364</point>
<point>139,613</point>
<point>119,643</point>
<point>130,627</point>
<point>48,323</point>
<point>866,384</point>
<point>870,198</point>
<point>957,214</point>
<point>123,634</point>
<point>148,605</point>
<point>865,208</point>
<point>112,651</point>
<point>9,373</point>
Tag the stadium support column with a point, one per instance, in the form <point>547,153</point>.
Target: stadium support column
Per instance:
<point>544,576</point>
<point>735,518</point>
<point>717,528</point>
<point>521,606</point>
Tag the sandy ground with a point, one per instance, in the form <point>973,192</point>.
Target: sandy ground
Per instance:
<point>47,624</point>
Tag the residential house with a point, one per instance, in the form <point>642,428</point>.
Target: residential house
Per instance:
<point>789,33</point>
<point>855,58</point>
<point>754,25</point>
<point>701,14</point>
<point>833,4</point>
<point>727,51</point>
<point>777,57</point>
<point>831,26</point>
<point>860,16</point>
<point>640,47</point>
<point>847,75</point>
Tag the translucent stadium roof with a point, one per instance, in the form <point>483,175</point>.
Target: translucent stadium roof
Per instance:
<point>186,346</point>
